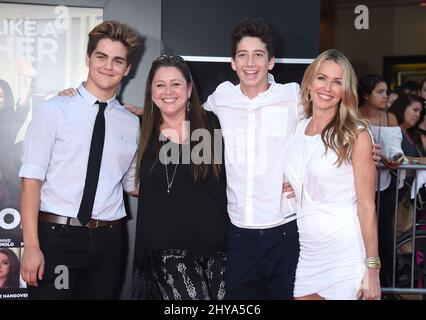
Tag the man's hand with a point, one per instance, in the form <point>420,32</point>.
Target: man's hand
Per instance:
<point>32,265</point>
<point>70,92</point>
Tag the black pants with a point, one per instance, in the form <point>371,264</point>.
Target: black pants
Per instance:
<point>81,263</point>
<point>181,276</point>
<point>262,262</point>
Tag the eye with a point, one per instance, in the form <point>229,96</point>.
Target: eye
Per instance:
<point>338,82</point>
<point>259,54</point>
<point>241,55</point>
<point>320,77</point>
<point>159,85</point>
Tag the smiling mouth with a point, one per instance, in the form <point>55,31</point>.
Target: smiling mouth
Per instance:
<point>169,100</point>
<point>325,97</point>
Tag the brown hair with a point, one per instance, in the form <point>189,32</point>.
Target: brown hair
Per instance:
<point>12,280</point>
<point>114,31</point>
<point>152,119</point>
<point>256,28</point>
<point>342,131</point>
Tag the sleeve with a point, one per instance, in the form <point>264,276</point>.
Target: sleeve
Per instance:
<point>210,104</point>
<point>129,179</point>
<point>39,141</point>
<point>298,105</point>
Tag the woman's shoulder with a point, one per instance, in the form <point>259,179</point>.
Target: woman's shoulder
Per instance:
<point>390,119</point>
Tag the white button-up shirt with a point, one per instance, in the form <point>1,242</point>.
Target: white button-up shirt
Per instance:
<point>255,132</point>
<point>56,151</point>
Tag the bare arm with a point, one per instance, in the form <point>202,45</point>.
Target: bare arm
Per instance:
<point>365,183</point>
<point>27,70</point>
<point>32,265</point>
<point>134,193</point>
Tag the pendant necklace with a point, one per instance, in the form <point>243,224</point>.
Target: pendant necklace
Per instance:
<point>170,182</point>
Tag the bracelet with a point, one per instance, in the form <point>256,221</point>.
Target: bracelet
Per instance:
<point>373,262</point>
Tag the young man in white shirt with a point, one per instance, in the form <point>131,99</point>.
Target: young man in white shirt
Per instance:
<point>257,116</point>
<point>72,213</point>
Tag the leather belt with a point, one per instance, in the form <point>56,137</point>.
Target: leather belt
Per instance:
<point>92,224</point>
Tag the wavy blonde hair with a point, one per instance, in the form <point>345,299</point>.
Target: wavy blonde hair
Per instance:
<point>342,131</point>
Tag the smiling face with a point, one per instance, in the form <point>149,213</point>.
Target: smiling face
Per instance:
<point>326,87</point>
<point>252,63</point>
<point>170,91</point>
<point>107,67</point>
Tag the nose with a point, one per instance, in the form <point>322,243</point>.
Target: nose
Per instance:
<point>167,90</point>
<point>327,86</point>
<point>108,64</point>
<point>250,60</point>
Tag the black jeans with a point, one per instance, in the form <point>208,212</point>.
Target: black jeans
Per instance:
<point>262,262</point>
<point>81,263</point>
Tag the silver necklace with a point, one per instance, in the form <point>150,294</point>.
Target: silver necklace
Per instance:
<point>170,182</point>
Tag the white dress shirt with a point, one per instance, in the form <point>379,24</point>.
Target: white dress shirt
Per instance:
<point>255,132</point>
<point>56,151</point>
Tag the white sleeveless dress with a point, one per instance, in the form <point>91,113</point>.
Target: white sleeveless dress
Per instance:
<point>332,253</point>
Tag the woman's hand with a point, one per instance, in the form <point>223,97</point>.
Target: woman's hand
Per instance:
<point>370,286</point>
<point>377,152</point>
<point>392,164</point>
<point>138,111</point>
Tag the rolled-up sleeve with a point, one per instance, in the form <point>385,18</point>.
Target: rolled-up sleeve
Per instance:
<point>39,141</point>
<point>129,179</point>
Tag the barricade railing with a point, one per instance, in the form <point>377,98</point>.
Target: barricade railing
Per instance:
<point>412,241</point>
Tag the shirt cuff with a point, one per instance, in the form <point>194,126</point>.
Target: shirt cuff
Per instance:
<point>32,172</point>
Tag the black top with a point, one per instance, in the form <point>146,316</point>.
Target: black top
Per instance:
<point>192,216</point>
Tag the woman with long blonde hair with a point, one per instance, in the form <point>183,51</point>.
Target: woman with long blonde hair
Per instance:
<point>329,165</point>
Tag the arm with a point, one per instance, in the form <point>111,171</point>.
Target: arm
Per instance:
<point>32,264</point>
<point>365,182</point>
<point>130,185</point>
<point>38,144</point>
<point>27,70</point>
<point>138,111</point>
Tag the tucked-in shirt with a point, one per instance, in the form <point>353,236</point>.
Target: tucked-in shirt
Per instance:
<point>56,151</point>
<point>255,132</point>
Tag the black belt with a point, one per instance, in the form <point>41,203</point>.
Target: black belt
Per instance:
<point>92,224</point>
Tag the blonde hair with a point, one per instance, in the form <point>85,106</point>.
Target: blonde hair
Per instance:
<point>342,131</point>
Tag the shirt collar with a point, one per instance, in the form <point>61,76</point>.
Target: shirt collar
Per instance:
<point>91,99</point>
<point>271,81</point>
